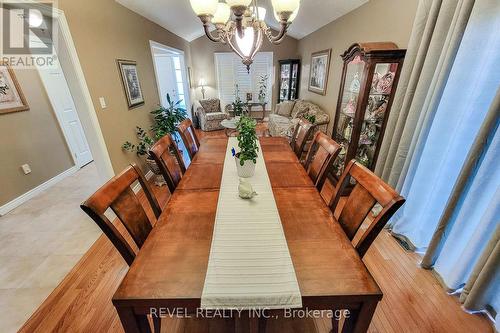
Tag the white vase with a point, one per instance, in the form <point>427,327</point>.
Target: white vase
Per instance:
<point>246,170</point>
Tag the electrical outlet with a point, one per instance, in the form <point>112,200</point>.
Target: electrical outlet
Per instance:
<point>103,102</point>
<point>26,168</point>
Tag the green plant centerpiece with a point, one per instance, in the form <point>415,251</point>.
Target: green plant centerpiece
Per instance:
<point>246,158</point>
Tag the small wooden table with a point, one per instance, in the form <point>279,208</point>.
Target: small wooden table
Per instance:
<point>169,271</point>
<point>251,105</point>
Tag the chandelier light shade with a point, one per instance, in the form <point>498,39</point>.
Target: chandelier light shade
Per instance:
<point>204,7</point>
<point>291,18</point>
<point>285,5</point>
<point>237,3</point>
<point>222,14</point>
<point>245,32</point>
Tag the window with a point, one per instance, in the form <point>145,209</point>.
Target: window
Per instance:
<point>230,71</point>
<point>179,81</point>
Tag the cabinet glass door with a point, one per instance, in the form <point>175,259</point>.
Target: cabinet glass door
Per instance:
<point>294,81</point>
<point>349,102</point>
<point>285,82</point>
<point>374,114</point>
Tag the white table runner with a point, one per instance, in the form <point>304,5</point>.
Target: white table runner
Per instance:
<point>249,266</point>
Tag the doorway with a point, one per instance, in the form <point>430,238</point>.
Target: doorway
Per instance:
<point>171,74</point>
<point>58,91</point>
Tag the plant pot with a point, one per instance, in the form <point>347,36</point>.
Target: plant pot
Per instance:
<point>246,170</point>
<point>158,177</point>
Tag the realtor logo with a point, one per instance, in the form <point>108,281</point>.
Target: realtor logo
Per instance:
<point>27,34</point>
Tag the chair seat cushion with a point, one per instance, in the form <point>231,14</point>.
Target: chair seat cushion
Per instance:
<point>215,116</point>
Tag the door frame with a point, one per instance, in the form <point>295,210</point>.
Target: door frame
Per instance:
<point>187,90</point>
<point>60,119</point>
<point>86,112</point>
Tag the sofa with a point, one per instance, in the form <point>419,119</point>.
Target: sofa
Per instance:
<point>210,114</point>
<point>286,115</point>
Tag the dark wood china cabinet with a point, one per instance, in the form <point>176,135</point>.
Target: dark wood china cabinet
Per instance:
<point>369,81</point>
<point>289,79</point>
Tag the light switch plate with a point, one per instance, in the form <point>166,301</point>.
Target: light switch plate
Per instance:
<point>26,168</point>
<point>103,102</point>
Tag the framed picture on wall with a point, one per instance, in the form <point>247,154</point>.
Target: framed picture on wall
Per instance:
<point>320,67</point>
<point>131,83</point>
<point>11,96</point>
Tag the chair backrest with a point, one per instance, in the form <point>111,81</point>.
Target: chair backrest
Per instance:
<point>368,191</point>
<point>210,105</point>
<point>118,195</point>
<point>169,161</point>
<point>188,136</point>
<point>300,135</point>
<point>320,158</point>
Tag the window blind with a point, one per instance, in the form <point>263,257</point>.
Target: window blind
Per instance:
<point>230,71</point>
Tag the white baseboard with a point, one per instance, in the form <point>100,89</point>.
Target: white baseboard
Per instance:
<point>148,176</point>
<point>37,190</point>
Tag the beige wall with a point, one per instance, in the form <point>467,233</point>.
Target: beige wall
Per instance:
<point>203,61</point>
<point>104,31</point>
<point>375,21</point>
<point>33,137</point>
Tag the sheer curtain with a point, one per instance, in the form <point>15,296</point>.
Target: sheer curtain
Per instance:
<point>453,204</point>
<point>440,155</point>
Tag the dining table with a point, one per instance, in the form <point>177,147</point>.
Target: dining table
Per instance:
<point>169,271</point>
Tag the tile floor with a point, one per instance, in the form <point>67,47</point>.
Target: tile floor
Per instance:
<point>41,242</point>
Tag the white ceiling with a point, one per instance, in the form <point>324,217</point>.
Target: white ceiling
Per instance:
<point>178,17</point>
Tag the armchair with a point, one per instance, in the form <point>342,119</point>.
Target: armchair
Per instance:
<point>210,114</point>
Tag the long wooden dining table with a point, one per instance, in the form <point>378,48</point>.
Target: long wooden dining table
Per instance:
<point>169,271</point>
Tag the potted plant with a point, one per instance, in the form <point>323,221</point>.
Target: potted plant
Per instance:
<point>263,88</point>
<point>142,150</point>
<point>166,119</point>
<point>247,142</point>
<point>238,104</point>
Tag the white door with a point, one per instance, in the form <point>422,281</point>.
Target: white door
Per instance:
<point>62,102</point>
<point>166,78</point>
<point>171,74</point>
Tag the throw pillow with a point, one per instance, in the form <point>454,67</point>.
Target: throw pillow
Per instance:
<point>285,108</point>
<point>300,108</point>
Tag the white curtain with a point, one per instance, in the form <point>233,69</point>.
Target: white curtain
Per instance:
<point>469,91</point>
<point>467,253</point>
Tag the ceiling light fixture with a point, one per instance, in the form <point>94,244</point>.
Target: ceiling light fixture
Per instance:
<point>244,30</point>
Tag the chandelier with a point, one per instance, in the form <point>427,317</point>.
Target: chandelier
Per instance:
<point>244,30</point>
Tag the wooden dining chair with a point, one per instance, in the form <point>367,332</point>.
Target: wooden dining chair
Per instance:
<point>118,195</point>
<point>300,135</point>
<point>368,191</point>
<point>320,158</point>
<point>169,161</point>
<point>188,136</point>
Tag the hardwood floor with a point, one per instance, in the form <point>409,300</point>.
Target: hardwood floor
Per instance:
<point>413,299</point>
